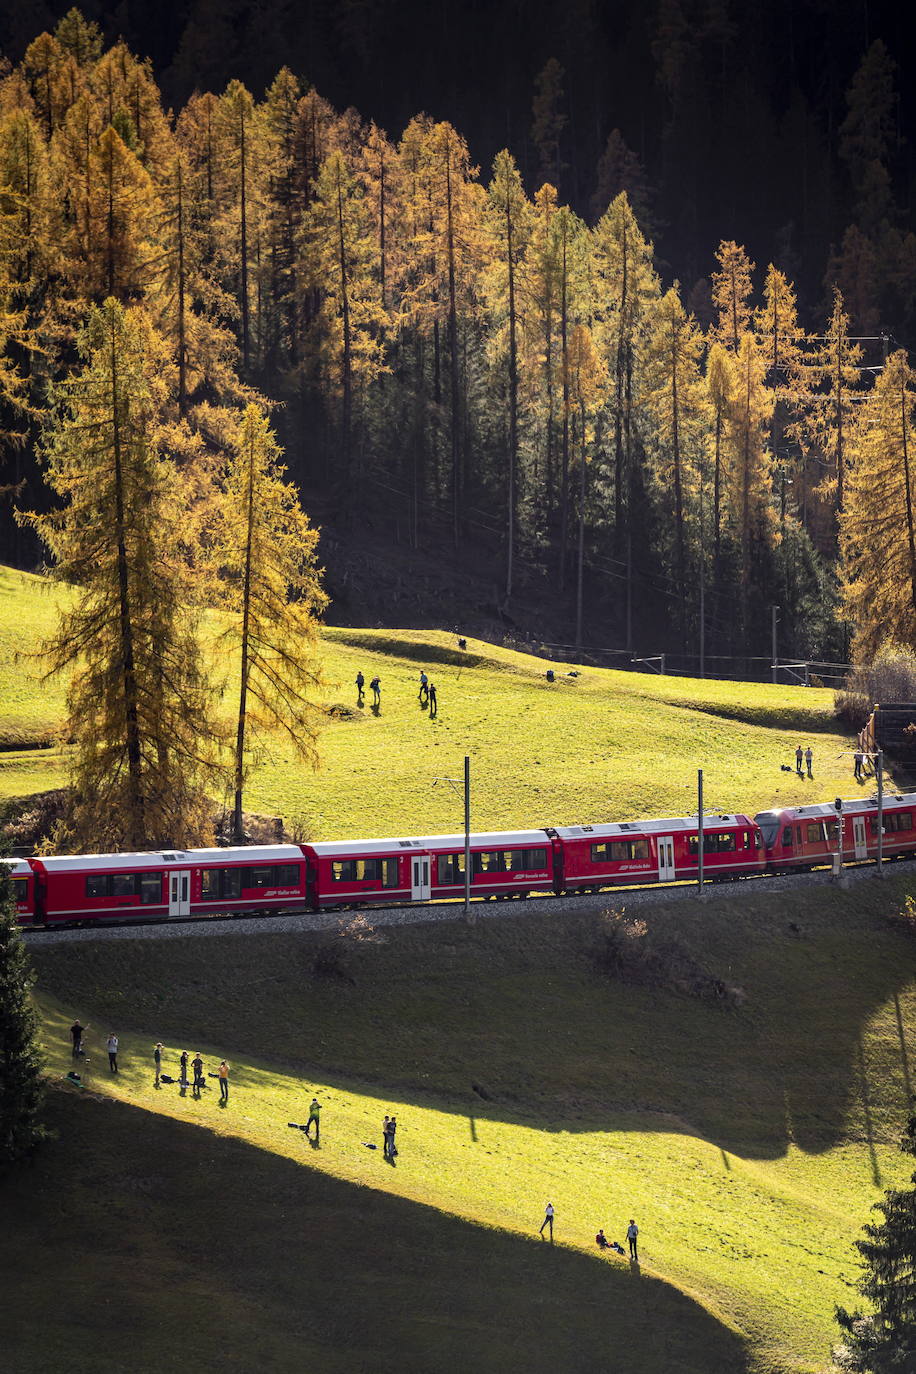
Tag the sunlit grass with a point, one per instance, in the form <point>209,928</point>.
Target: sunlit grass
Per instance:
<point>600,746</point>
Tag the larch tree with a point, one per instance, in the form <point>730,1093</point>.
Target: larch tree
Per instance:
<point>509,216</point>
<point>877,522</point>
<point>750,479</point>
<point>340,264</point>
<point>540,271</point>
<point>587,380</point>
<point>675,404</point>
<point>831,375</point>
<point>21,1077</point>
<point>625,288</point>
<point>266,552</point>
<point>139,707</point>
<point>721,383</point>
<point>732,286</point>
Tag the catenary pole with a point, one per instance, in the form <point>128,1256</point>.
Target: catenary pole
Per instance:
<point>879,774</point>
<point>699,832</point>
<point>467,841</point>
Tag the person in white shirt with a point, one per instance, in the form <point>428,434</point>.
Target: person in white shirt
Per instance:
<point>548,1220</point>
<point>632,1233</point>
<point>113,1052</point>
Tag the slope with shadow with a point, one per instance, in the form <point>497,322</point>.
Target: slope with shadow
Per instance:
<point>137,1243</point>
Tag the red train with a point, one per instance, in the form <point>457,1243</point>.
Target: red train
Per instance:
<point>576,858</point>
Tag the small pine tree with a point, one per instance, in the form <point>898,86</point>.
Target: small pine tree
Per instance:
<point>21,1087</point>
<point>884,1342</point>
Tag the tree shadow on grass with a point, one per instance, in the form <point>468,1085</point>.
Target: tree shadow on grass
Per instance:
<point>135,1241</point>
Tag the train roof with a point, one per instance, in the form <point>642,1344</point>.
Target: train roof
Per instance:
<point>851,807</point>
<point>177,858</point>
<point>711,820</point>
<point>497,839</point>
<point>17,868</point>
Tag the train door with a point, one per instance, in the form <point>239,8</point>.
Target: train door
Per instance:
<point>180,892</point>
<point>858,837</point>
<point>666,872</point>
<point>419,878</point>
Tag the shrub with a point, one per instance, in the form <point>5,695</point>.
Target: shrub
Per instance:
<point>891,676</point>
<point>626,948</point>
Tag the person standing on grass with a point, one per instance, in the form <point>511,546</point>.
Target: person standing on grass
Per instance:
<point>314,1115</point>
<point>376,685</point>
<point>197,1064</point>
<point>548,1221</point>
<point>360,684</point>
<point>433,702</point>
<point>76,1035</point>
<point>858,760</point>
<point>113,1052</point>
<point>799,756</point>
<point>392,1127</point>
<point>423,694</point>
<point>183,1061</point>
<point>157,1059</point>
<point>385,1138</point>
<point>223,1081</point>
<point>809,759</point>
<point>632,1233</point>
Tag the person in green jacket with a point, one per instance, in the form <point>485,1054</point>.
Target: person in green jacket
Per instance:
<point>314,1115</point>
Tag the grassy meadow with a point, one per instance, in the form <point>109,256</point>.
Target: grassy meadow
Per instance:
<point>748,1143</point>
<point>601,746</point>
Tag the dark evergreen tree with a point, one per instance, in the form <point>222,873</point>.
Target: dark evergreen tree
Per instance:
<point>21,1087</point>
<point>884,1342</point>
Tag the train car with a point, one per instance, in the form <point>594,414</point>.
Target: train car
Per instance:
<point>662,851</point>
<point>170,883</point>
<point>797,838</point>
<point>427,868</point>
<point>23,881</point>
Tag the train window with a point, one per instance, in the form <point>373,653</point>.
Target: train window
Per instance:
<point>20,890</point>
<point>798,834</point>
<point>150,887</point>
<point>367,870</point>
<point>390,872</point>
<point>344,870</point>
<point>535,859</point>
<point>893,821</point>
<point>97,885</point>
<point>231,883</point>
<point>599,854</point>
<point>286,875</point>
<point>260,877</point>
<point>714,842</point>
<point>787,837</point>
<point>123,885</point>
<point>451,868</point>
<point>815,832</point>
<point>209,882</point>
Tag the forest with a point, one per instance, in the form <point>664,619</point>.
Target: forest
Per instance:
<point>457,361</point>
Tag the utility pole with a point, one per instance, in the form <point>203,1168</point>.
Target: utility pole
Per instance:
<point>879,774</point>
<point>775,610</point>
<point>700,833</point>
<point>838,807</point>
<point>467,841</point>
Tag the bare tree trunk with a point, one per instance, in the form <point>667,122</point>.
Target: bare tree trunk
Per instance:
<point>237,827</point>
<point>128,666</point>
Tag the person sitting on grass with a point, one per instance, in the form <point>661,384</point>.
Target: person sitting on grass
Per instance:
<point>602,1241</point>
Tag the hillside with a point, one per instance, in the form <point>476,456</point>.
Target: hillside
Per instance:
<point>749,1143</point>
<point>599,746</point>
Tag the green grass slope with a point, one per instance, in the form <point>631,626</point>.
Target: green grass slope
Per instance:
<point>749,1143</point>
<point>601,746</point>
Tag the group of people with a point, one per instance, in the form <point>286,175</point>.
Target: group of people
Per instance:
<point>806,757</point>
<point>78,1030</point>
<point>427,695</point>
<point>601,1239</point>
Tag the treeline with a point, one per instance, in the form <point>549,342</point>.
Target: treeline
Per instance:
<point>451,352</point>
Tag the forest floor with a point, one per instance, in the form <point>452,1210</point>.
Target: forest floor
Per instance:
<point>749,1142</point>
<point>603,745</point>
